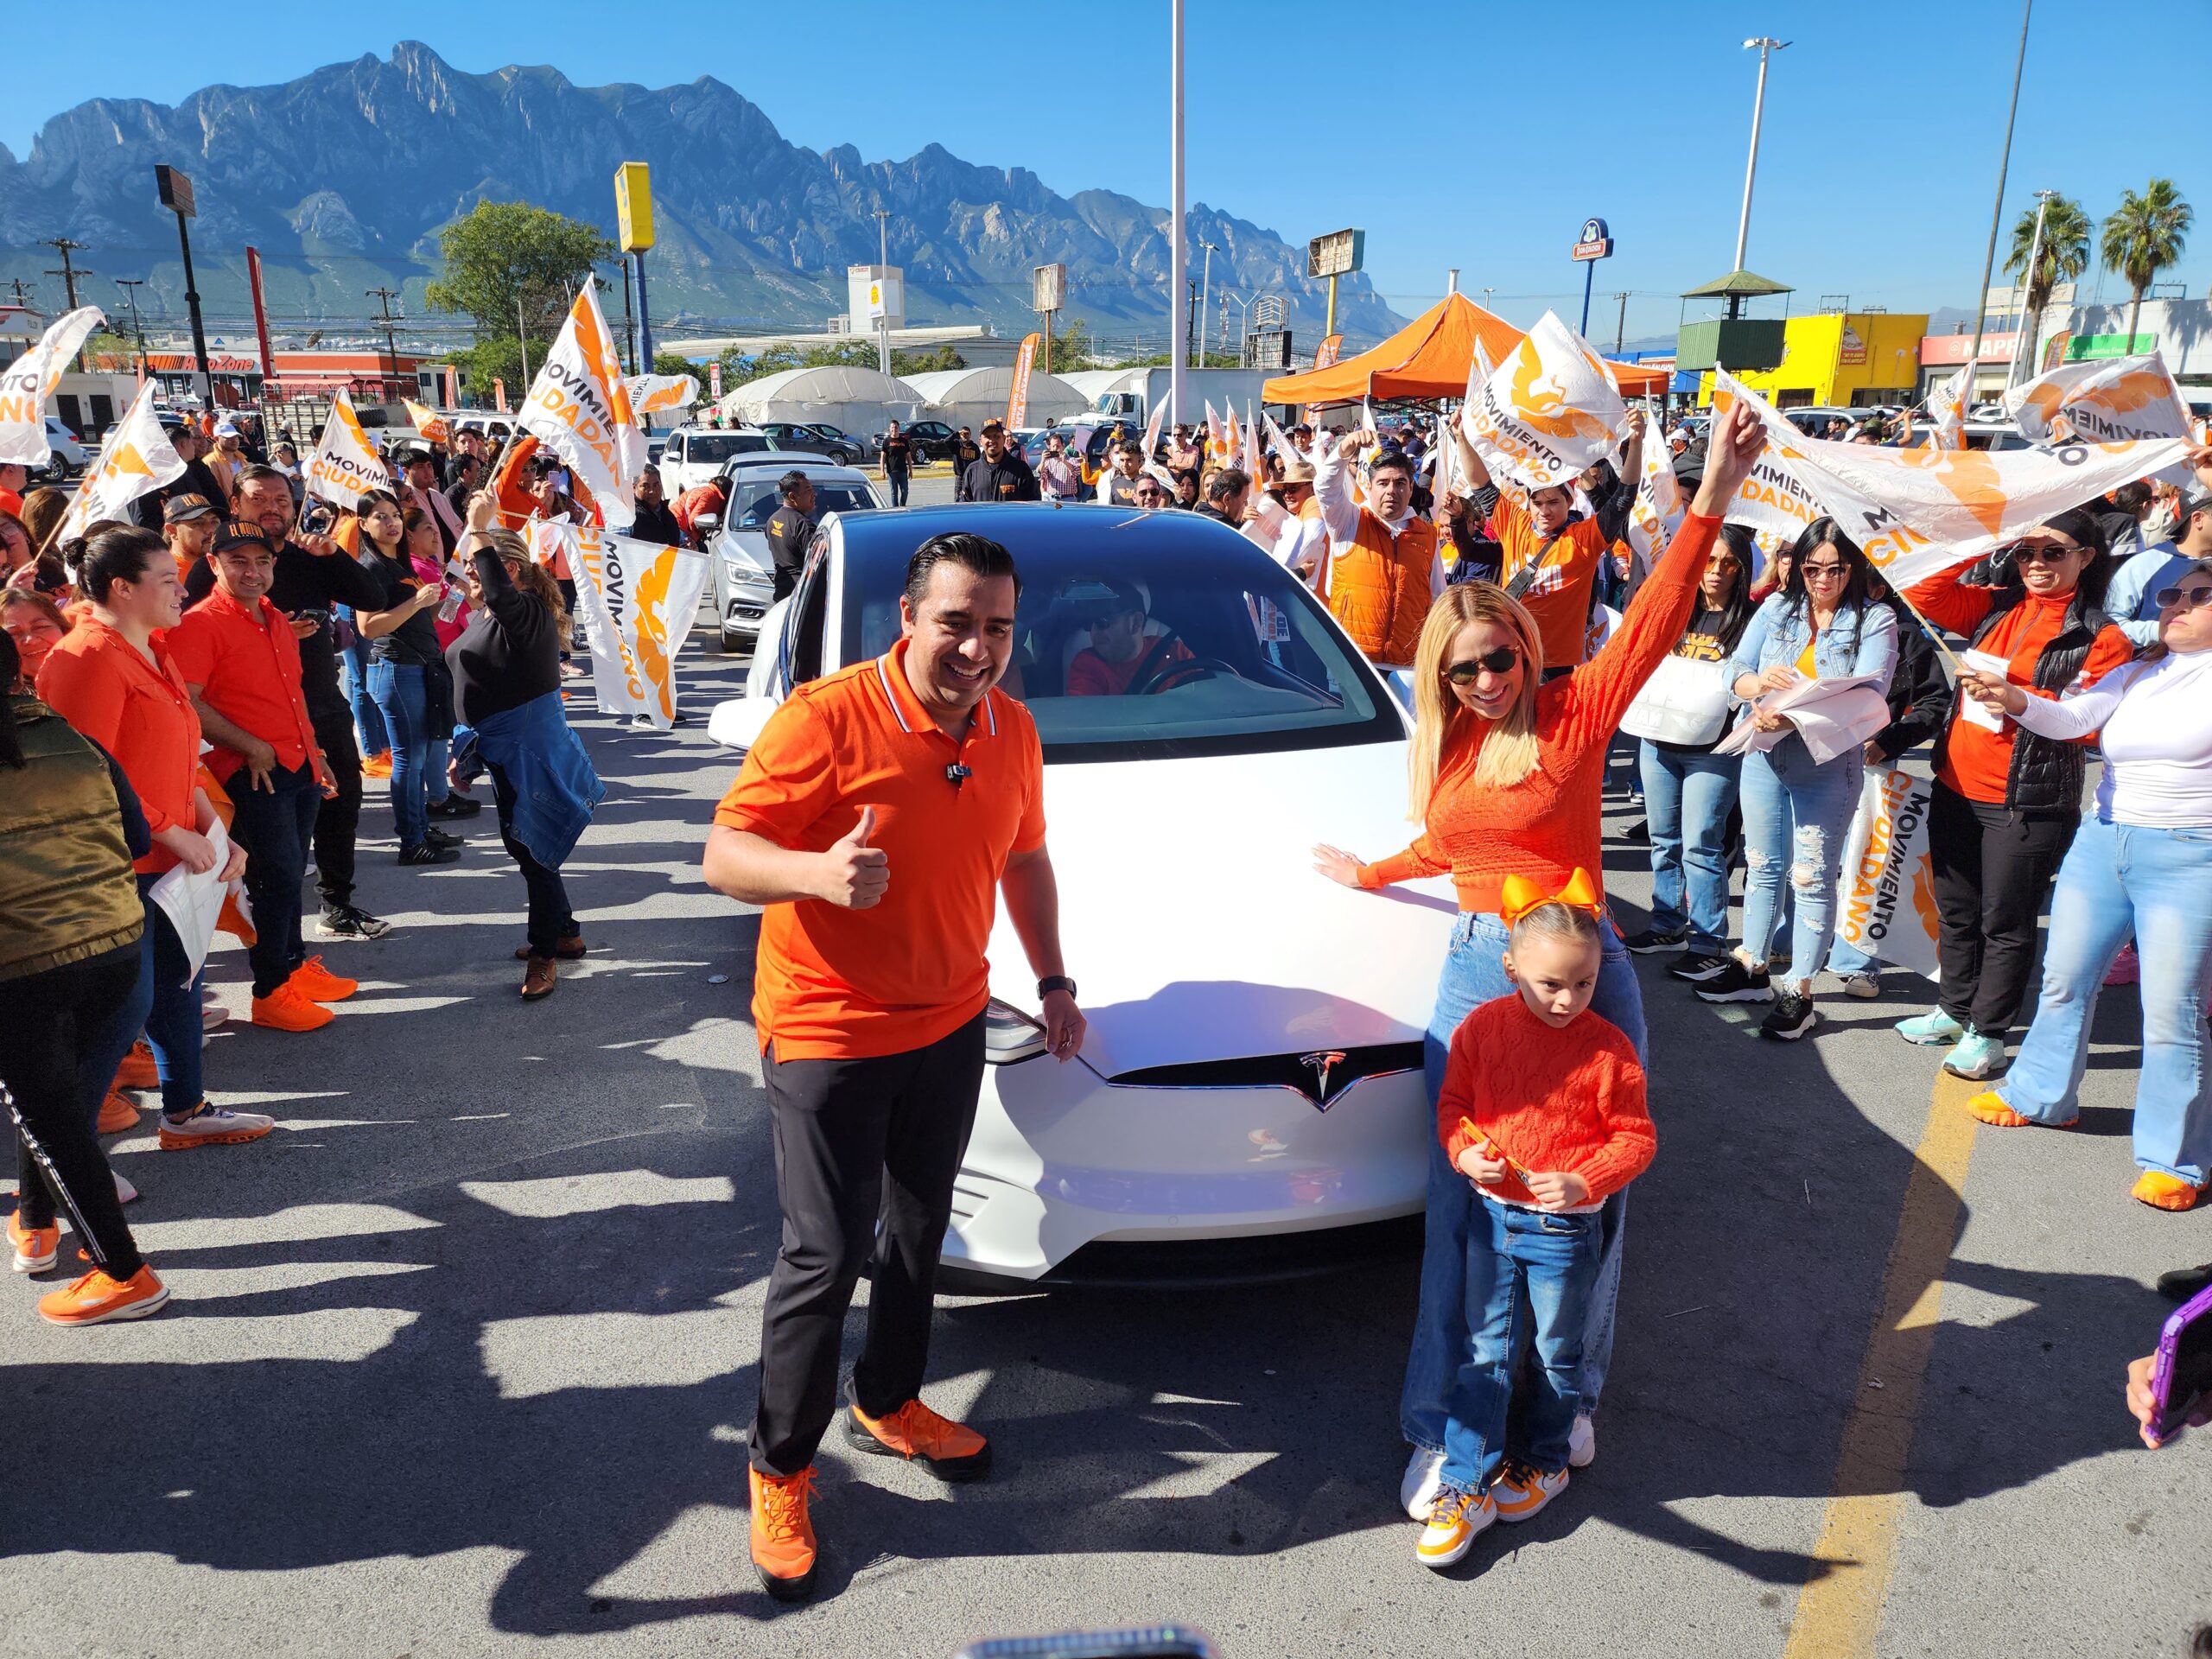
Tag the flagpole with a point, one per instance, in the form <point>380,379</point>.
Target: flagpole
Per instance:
<point>1178,256</point>
<point>1997,210</point>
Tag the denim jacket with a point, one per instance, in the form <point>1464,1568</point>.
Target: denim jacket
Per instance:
<point>1858,642</point>
<point>555,785</point>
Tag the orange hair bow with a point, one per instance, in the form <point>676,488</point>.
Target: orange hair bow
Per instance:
<point>1519,895</point>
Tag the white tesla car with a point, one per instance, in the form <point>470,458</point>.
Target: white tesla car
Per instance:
<point>1254,1063</point>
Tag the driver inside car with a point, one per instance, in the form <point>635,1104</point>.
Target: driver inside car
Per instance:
<point>1121,654</point>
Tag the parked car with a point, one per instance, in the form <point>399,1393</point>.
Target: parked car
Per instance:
<point>743,577</point>
<point>932,440</point>
<point>65,456</point>
<point>695,454</point>
<point>807,439</point>
<point>495,428</point>
<point>1253,1063</point>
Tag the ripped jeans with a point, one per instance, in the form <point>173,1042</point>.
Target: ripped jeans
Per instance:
<point>1796,813</point>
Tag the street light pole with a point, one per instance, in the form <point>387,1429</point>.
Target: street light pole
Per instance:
<point>1750,168</point>
<point>2024,338</point>
<point>1997,210</point>
<point>1205,300</point>
<point>1177,259</point>
<point>130,285</point>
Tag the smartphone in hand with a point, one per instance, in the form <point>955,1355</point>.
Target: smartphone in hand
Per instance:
<point>2181,1371</point>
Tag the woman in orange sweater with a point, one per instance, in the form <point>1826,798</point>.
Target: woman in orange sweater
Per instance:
<point>1504,773</point>
<point>1543,1112</point>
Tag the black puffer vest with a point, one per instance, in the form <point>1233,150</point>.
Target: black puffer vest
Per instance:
<point>2046,775</point>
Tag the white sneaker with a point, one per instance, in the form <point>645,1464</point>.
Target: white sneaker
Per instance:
<point>1521,1492</point>
<point>1865,987</point>
<point>1424,1480</point>
<point>1458,1519</point>
<point>1582,1442</point>
<point>214,1126</point>
<point>124,1193</point>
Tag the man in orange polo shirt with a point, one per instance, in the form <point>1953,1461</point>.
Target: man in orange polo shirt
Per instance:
<point>241,666</point>
<point>881,813</point>
<point>1551,557</point>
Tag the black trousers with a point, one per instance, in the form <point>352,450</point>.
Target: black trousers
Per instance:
<point>858,1142</point>
<point>1993,869</point>
<point>338,819</point>
<point>550,919</point>
<point>52,1018</point>
<point>275,826</point>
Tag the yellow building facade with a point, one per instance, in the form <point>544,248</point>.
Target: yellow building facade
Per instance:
<point>1839,361</point>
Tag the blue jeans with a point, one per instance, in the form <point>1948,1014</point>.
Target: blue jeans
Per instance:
<point>101,1048</point>
<point>1474,973</point>
<point>2155,884</point>
<point>1530,1281</point>
<point>368,723</point>
<point>173,1027</point>
<point>275,826</point>
<point>1846,959</point>
<point>398,689</point>
<point>1796,814</point>
<point>898,483</point>
<point>1686,801</point>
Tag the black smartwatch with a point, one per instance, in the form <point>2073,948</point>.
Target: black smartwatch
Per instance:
<point>1055,983</point>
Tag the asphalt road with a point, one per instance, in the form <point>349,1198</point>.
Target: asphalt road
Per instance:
<point>461,1358</point>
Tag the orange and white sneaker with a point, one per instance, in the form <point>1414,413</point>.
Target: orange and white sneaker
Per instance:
<point>95,1299</point>
<point>318,984</point>
<point>1989,1106</point>
<point>288,1009</point>
<point>948,1450</point>
<point>783,1550</point>
<point>378,766</point>
<point>1520,1492</point>
<point>35,1247</point>
<point>1454,1523</point>
<point>137,1070</point>
<point>118,1112</point>
<point>2163,1192</point>
<point>213,1126</point>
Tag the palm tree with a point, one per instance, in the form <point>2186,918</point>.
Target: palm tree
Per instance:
<point>2064,255</point>
<point>2143,237</point>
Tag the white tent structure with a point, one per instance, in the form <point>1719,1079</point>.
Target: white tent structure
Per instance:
<point>970,396</point>
<point>1091,384</point>
<point>854,400</point>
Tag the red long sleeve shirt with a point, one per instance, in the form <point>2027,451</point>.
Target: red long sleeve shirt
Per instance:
<point>1567,1098</point>
<point>1549,825</point>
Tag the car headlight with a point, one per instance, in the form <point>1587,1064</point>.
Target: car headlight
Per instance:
<point>1010,1035</point>
<point>740,559</point>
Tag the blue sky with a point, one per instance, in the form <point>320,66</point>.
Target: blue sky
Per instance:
<point>1456,134</point>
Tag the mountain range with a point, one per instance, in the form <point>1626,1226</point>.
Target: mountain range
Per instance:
<point>342,178</point>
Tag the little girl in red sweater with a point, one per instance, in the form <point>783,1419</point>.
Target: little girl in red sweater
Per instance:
<point>1542,1108</point>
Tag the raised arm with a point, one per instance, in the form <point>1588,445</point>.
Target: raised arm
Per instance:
<point>1333,485</point>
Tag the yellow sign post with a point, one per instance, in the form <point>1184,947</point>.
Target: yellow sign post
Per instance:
<point>633,208</point>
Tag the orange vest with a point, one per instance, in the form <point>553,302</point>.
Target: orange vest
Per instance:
<point>1379,588</point>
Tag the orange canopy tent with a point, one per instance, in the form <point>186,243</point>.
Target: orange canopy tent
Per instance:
<point>1430,358</point>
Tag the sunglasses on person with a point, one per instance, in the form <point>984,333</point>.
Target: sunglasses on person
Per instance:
<point>1824,569</point>
<point>2042,553</point>
<point>1495,662</point>
<point>2182,598</point>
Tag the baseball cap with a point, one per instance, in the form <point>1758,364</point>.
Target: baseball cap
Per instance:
<point>227,429</point>
<point>2194,502</point>
<point>187,509</point>
<point>242,532</point>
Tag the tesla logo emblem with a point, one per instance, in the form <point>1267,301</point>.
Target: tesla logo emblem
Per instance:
<point>1321,1064</point>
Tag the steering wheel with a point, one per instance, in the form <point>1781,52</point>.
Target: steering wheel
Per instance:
<point>1168,672</point>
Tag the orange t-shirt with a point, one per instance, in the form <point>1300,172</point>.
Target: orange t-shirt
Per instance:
<point>1549,825</point>
<point>830,982</point>
<point>138,712</point>
<point>1091,676</point>
<point>1977,762</point>
<point>246,664</point>
<point>1559,596</point>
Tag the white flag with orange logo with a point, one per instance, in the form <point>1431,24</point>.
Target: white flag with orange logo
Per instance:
<point>136,457</point>
<point>431,424</point>
<point>636,600</point>
<point>344,467</point>
<point>26,383</point>
<point>579,407</point>
<point>656,394</point>
<point>1548,411</point>
<point>1657,511</point>
<point>1946,405</point>
<point>2116,401</point>
<point>1917,512</point>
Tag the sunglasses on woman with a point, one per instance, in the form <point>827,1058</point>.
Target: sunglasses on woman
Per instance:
<point>1495,662</point>
<point>2184,599</point>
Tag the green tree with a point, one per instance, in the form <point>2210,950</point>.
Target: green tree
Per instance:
<point>906,363</point>
<point>673,363</point>
<point>1072,351</point>
<point>2064,254</point>
<point>2144,235</point>
<point>510,266</point>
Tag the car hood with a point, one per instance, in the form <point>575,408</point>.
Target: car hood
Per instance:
<point>1196,926</point>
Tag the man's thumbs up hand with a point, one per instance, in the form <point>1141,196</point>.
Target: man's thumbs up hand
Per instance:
<point>853,874</point>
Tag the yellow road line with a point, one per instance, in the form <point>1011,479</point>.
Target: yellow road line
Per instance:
<point>1840,1613</point>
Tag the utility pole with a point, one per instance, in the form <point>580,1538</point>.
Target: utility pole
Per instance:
<point>1486,294</point>
<point>385,296</point>
<point>1190,318</point>
<point>174,189</point>
<point>882,236</point>
<point>2024,337</point>
<point>1178,256</point>
<point>69,275</point>
<point>18,283</point>
<point>1620,325</point>
<point>1751,168</point>
<point>1997,212</point>
<point>629,326</point>
<point>130,285</point>
<point>1206,291</point>
<point>883,322</point>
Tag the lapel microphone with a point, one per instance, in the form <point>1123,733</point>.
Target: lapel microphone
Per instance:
<point>956,775</point>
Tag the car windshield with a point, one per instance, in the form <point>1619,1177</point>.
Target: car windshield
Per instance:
<point>761,501</point>
<point>706,447</point>
<point>1156,653</point>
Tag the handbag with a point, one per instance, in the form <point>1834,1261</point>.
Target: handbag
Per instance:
<point>1685,700</point>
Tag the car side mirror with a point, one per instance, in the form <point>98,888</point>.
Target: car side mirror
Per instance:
<point>709,523</point>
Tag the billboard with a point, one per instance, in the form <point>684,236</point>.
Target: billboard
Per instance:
<point>875,294</point>
<point>633,208</point>
<point>1048,287</point>
<point>1337,254</point>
